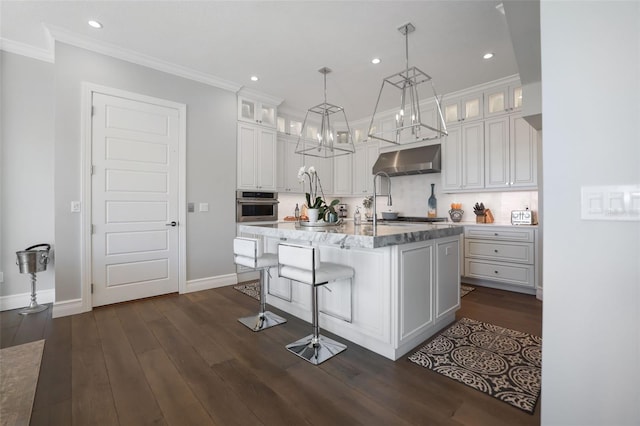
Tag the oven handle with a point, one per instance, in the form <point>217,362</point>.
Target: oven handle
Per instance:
<point>257,201</point>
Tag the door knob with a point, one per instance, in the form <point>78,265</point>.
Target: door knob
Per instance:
<point>174,223</point>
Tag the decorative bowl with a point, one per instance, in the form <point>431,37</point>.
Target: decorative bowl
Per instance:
<point>389,215</point>
<point>456,214</point>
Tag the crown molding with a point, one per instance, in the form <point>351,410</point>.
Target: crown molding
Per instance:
<point>18,48</point>
<point>68,37</point>
<point>259,96</point>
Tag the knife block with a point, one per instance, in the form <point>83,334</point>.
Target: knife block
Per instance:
<point>480,218</point>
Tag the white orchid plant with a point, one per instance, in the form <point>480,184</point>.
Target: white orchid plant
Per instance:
<point>315,201</point>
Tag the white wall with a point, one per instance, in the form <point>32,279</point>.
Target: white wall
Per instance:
<point>211,159</point>
<point>591,116</point>
<point>26,171</point>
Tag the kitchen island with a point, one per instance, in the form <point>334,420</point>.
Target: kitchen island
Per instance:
<point>405,289</point>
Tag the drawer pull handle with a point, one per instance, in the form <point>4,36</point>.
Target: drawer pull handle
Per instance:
<point>495,251</point>
<point>495,272</point>
<point>495,234</point>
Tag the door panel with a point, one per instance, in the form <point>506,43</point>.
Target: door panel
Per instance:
<point>134,199</point>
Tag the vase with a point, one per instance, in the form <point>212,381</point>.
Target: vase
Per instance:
<point>313,215</point>
<point>432,203</point>
<point>331,217</point>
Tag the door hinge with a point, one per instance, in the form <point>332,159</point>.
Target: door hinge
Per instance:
<point>91,288</point>
<point>93,229</point>
<point>93,169</point>
<point>93,110</point>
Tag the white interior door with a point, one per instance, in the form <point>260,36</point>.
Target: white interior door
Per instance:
<point>134,199</point>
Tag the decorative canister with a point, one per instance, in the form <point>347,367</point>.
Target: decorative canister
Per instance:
<point>456,214</point>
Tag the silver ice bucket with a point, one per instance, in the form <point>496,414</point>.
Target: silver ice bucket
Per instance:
<point>30,261</point>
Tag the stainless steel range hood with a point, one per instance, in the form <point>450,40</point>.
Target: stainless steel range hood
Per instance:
<point>413,161</point>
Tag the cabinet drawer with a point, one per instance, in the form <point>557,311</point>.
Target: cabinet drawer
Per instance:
<point>521,275</point>
<point>494,233</point>
<point>501,251</point>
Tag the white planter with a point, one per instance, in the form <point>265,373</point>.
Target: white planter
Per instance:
<point>313,215</point>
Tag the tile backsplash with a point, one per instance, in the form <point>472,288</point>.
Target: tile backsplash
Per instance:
<point>410,195</point>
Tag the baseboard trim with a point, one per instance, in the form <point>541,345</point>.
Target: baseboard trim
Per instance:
<point>211,282</point>
<point>22,300</point>
<point>68,307</point>
<point>539,293</point>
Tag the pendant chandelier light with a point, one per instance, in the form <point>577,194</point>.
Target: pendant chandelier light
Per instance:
<point>409,124</point>
<point>324,141</point>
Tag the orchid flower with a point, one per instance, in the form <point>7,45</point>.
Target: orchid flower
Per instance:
<point>301,174</point>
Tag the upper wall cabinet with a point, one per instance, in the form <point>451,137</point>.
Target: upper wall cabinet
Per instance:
<point>510,153</point>
<point>503,100</point>
<point>463,158</point>
<point>257,112</point>
<point>288,165</point>
<point>363,160</point>
<point>466,108</point>
<point>256,157</point>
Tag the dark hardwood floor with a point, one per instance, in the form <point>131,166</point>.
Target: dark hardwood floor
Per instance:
<point>186,360</point>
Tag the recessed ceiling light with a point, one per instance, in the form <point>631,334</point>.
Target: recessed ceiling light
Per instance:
<point>488,55</point>
<point>375,61</point>
<point>254,78</point>
<point>94,24</point>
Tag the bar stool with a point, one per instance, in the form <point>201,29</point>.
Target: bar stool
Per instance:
<point>302,264</point>
<point>248,252</point>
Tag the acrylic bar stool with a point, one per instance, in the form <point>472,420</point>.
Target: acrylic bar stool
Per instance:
<point>248,252</point>
<point>302,264</point>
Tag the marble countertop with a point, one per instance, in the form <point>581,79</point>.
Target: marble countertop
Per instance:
<point>363,236</point>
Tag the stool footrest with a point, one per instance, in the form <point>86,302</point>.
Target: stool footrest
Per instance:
<point>324,349</point>
<point>262,321</point>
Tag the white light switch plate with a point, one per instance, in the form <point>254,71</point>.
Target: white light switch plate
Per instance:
<point>612,202</point>
<point>204,207</point>
<point>75,206</point>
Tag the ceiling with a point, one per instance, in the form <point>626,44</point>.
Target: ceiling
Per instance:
<point>286,42</point>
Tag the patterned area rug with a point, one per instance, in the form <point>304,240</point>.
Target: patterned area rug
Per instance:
<point>252,288</point>
<point>503,363</point>
<point>465,289</point>
<point>19,370</point>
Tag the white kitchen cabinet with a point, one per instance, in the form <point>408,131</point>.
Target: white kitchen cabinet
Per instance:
<point>464,108</point>
<point>502,257</point>
<point>416,288</point>
<point>256,157</point>
<point>428,287</point>
<point>463,158</point>
<point>288,165</point>
<point>359,132</point>
<point>343,175</point>
<point>257,112</point>
<point>447,297</point>
<point>510,154</point>
<point>363,160</point>
<point>503,100</point>
<point>324,169</point>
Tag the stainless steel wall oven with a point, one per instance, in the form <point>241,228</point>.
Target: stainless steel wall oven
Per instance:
<point>256,206</point>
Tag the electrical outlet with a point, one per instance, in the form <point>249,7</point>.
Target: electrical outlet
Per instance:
<point>191,207</point>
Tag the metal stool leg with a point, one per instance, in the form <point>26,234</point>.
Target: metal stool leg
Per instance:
<point>316,348</point>
<point>264,319</point>
<point>33,306</point>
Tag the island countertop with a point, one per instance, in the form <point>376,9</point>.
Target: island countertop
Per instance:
<point>363,236</point>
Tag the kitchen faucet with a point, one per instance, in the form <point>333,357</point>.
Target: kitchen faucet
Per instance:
<point>375,196</point>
